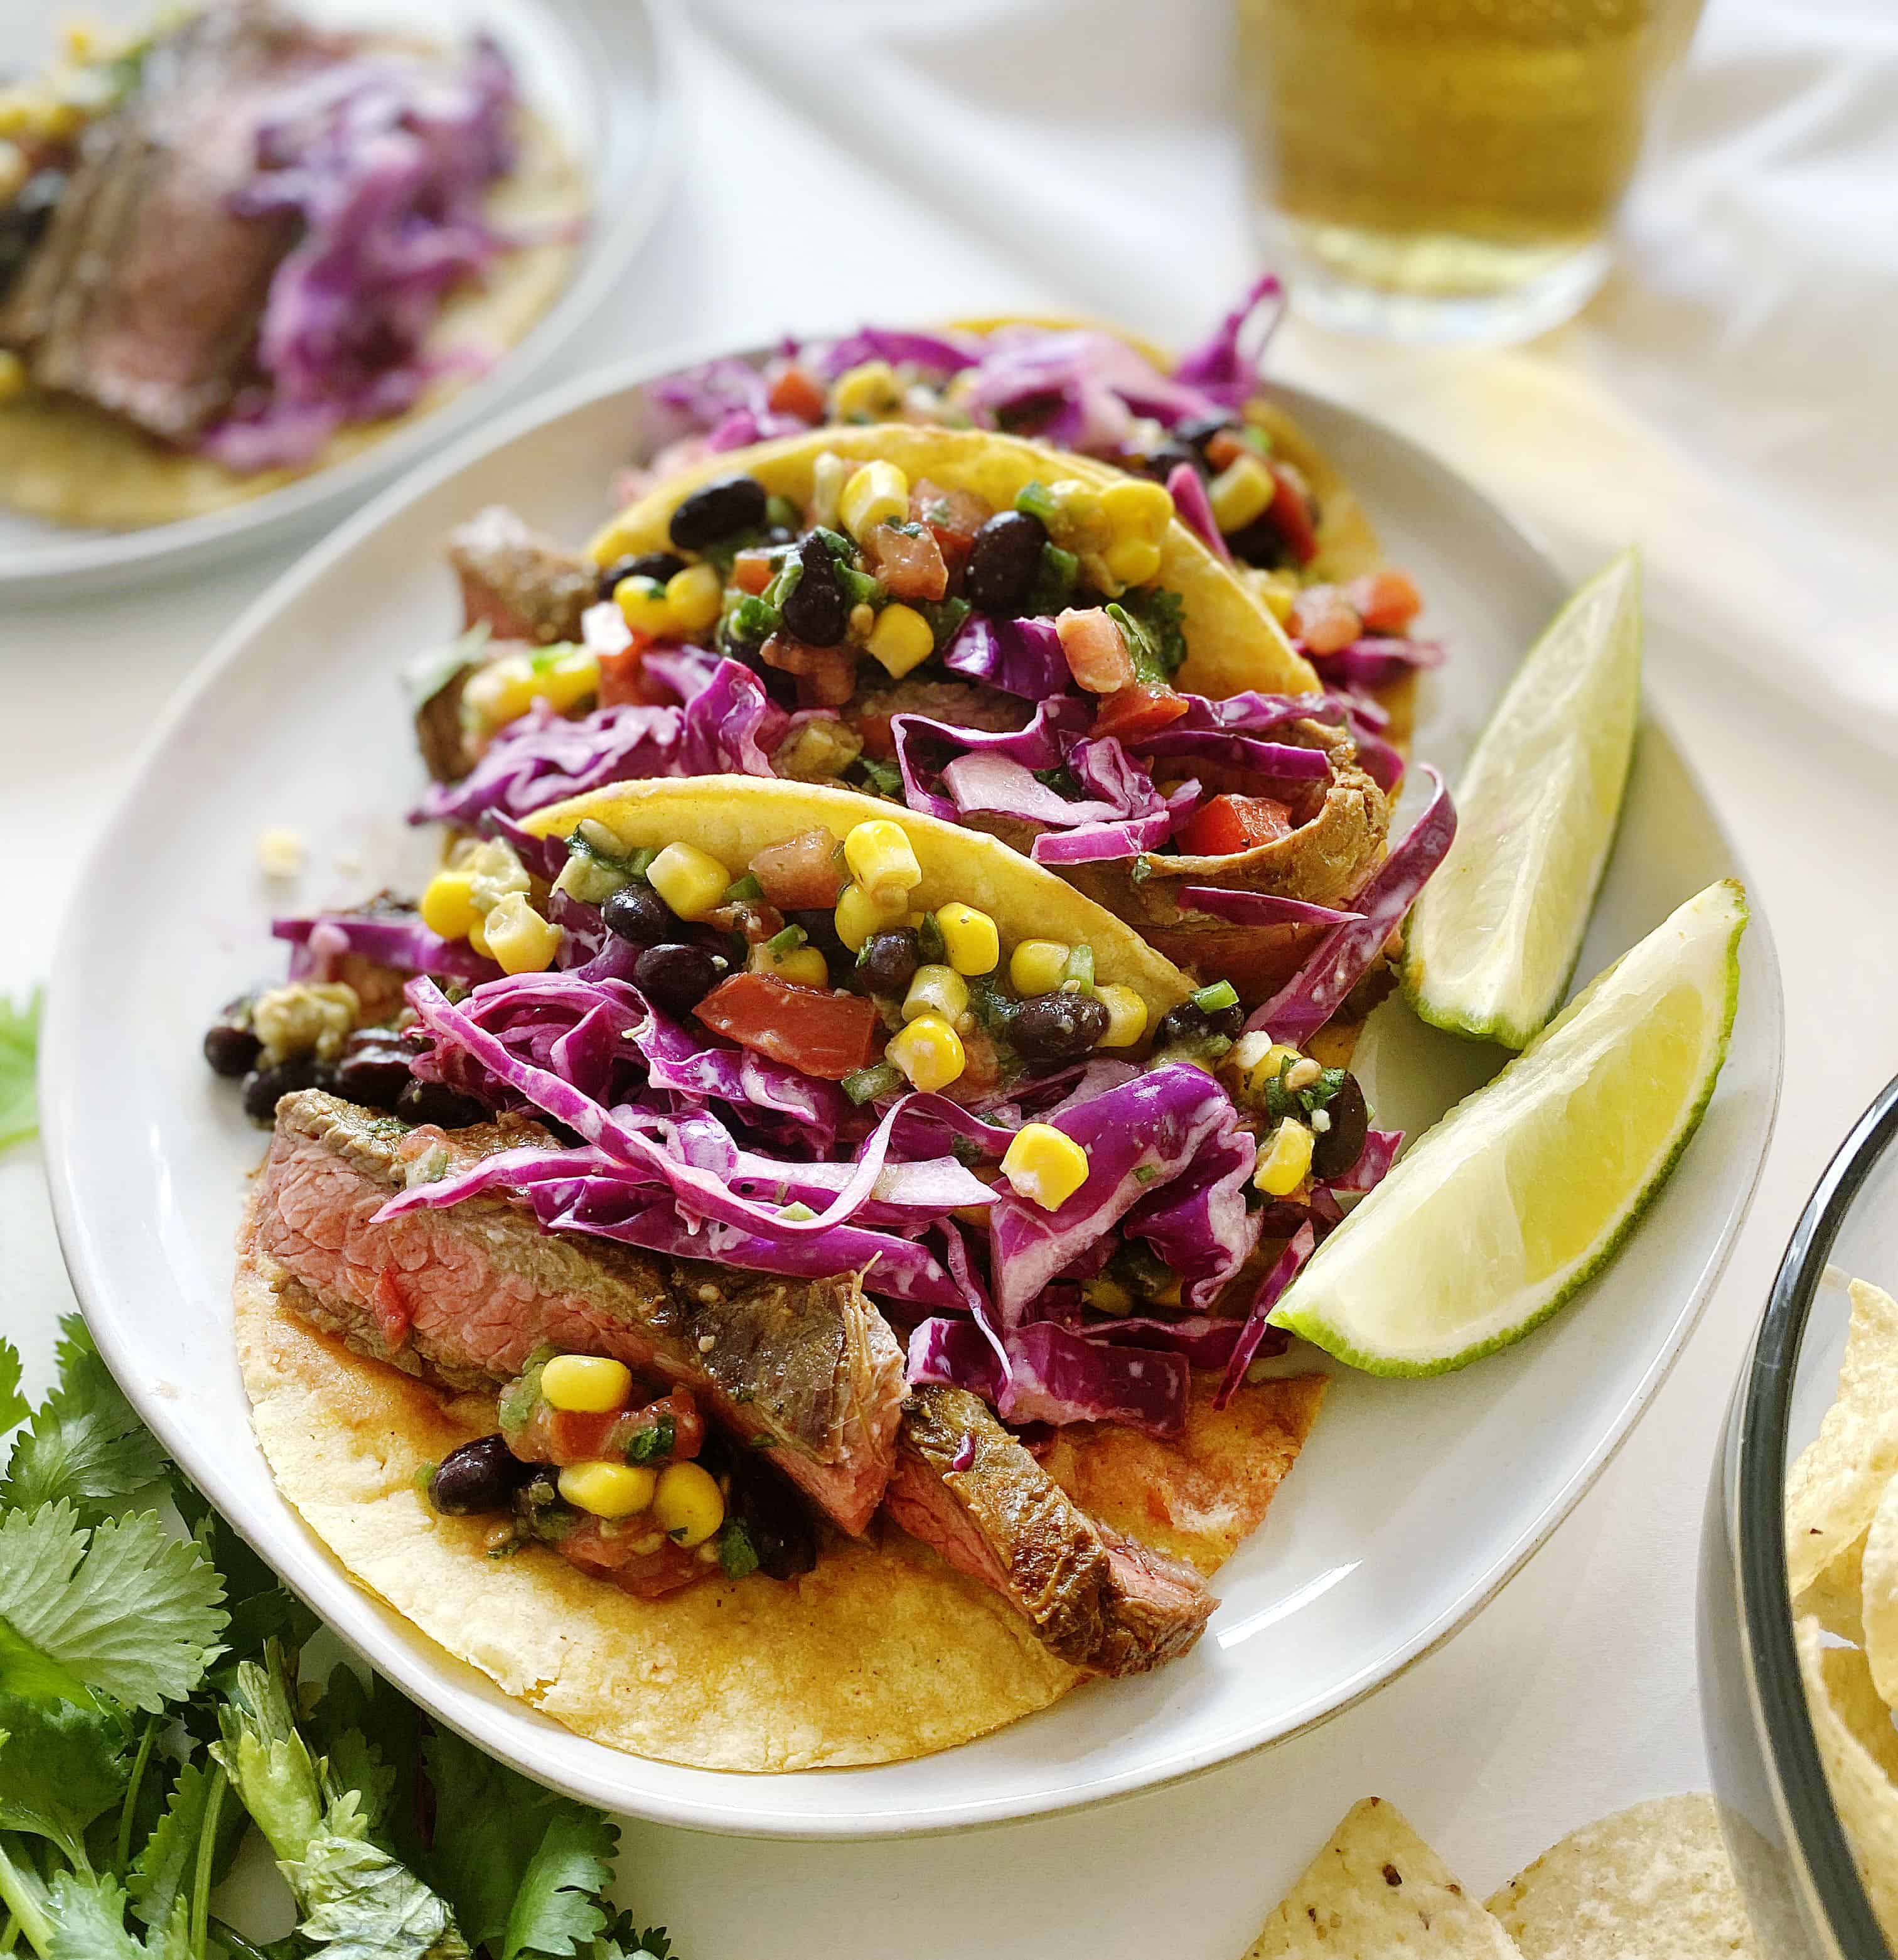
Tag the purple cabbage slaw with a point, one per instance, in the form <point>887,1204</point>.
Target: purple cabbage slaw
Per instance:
<point>383,163</point>
<point>398,940</point>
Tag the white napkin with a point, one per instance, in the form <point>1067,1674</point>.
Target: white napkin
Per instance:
<point>1730,401</point>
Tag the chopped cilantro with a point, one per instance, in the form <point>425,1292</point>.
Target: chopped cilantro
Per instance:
<point>1149,620</point>
<point>1054,581</point>
<point>1281,1101</point>
<point>884,778</point>
<point>736,1553</point>
<point>929,940</point>
<point>649,1444</point>
<point>945,617</point>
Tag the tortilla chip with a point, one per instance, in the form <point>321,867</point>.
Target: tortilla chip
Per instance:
<point>65,460</point>
<point>1834,1488</point>
<point>1651,1883</point>
<point>1232,642</point>
<point>1377,1891</point>
<point>1199,1497</point>
<point>734,817</point>
<point>1855,1746</point>
<point>882,1653</point>
<point>1836,1599</point>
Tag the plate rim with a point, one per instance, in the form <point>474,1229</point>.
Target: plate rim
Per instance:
<point>724,1806</point>
<point>77,558</point>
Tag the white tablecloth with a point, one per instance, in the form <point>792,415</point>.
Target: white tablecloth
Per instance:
<point>1728,401</point>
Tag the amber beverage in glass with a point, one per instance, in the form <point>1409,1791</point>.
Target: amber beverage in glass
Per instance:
<point>1448,169</point>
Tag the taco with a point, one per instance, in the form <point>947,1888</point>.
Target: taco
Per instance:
<point>799,1301</point>
<point>977,627</point>
<point>246,248</point>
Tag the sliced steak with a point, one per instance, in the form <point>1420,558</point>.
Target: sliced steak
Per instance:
<point>520,584</point>
<point>805,1369</point>
<point>144,295</point>
<point>1097,1600</point>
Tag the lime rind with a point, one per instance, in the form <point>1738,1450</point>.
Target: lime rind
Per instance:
<point>1507,992</point>
<point>1302,1310</point>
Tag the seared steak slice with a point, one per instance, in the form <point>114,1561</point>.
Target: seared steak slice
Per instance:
<point>806,1369</point>
<point>521,585</point>
<point>144,294</point>
<point>1097,1600</point>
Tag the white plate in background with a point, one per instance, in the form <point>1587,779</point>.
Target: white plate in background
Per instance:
<point>598,73</point>
<point>1413,1502</point>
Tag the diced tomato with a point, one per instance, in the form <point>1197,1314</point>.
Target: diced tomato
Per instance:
<point>606,1549</point>
<point>621,680</point>
<point>751,571</point>
<point>575,1437</point>
<point>802,874</point>
<point>754,923</point>
<point>1228,824</point>
<point>1386,601</point>
<point>908,564</point>
<point>1324,620</point>
<point>797,391</point>
<point>953,516</point>
<point>688,1426</point>
<point>1139,710</point>
<point>1097,656</point>
<point>826,1034</point>
<point>826,676</point>
<point>1291,511</point>
<point>1224,446</point>
<point>873,726</point>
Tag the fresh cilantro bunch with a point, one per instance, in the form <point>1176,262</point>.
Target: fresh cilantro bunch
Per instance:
<point>153,1714</point>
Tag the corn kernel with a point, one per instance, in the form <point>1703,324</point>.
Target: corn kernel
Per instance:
<point>587,1384</point>
<point>687,1505</point>
<point>13,375</point>
<point>970,941</point>
<point>802,966</point>
<point>565,677</point>
<point>929,1052</point>
<point>902,639</point>
<point>448,904</point>
<point>1078,505</point>
<point>1044,1165</point>
<point>1036,965</point>
<point>643,606</point>
<point>610,1490</point>
<point>937,990</point>
<point>858,915</point>
<point>518,938</point>
<point>882,860</point>
<point>693,597</point>
<point>691,881</point>
<point>878,493</point>
<point>1133,561</point>
<point>1240,492</point>
<point>502,691</point>
<point>478,938</point>
<point>496,871</point>
<point>868,392</point>
<point>829,473</point>
<point>1138,508</point>
<point>1126,1016</point>
<point>1285,1159</point>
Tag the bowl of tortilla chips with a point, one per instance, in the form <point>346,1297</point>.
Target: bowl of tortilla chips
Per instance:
<point>1798,1617</point>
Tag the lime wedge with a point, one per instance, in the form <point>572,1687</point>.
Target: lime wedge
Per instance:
<point>1491,943</point>
<point>1524,1191</point>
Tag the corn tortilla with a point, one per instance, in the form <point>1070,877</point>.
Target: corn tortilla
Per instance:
<point>1232,642</point>
<point>65,460</point>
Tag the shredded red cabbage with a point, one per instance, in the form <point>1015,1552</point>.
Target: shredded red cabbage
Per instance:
<point>937,351</point>
<point>1347,952</point>
<point>1188,492</point>
<point>383,163</point>
<point>728,400</point>
<point>1374,662</point>
<point>1245,1350</point>
<point>1059,1376</point>
<point>1381,1149</point>
<point>404,942</point>
<point>1019,656</point>
<point>1219,366</point>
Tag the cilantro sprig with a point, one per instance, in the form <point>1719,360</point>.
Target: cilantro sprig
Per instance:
<point>156,1710</point>
<point>19,1047</point>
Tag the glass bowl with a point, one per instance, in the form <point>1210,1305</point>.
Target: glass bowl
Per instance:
<point>1788,1848</point>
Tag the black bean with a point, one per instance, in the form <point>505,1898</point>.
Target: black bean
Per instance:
<point>820,931</point>
<point>888,962</point>
<point>1335,1150</point>
<point>1053,1027</point>
<point>717,510</point>
<point>1260,542</point>
<point>660,565</point>
<point>1189,1023</point>
<point>1166,456</point>
<point>1198,430</point>
<point>230,1046</point>
<point>817,611</point>
<point>1003,561</point>
<point>480,1476</point>
<point>374,1067</point>
<point>775,1519</point>
<point>638,913</point>
<point>435,1103</point>
<point>677,978</point>
<point>264,1087</point>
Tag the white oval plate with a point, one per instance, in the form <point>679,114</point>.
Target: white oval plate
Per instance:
<point>600,75</point>
<point>1414,1501</point>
